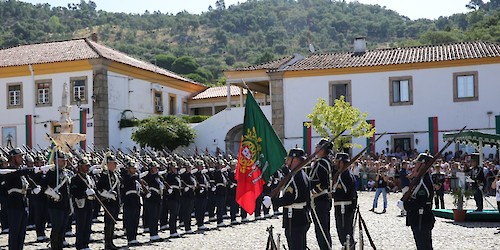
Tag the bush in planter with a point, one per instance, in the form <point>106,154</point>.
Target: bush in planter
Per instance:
<point>458,197</point>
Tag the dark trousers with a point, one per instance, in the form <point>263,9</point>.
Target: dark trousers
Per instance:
<point>478,197</point>
<point>131,216</point>
<point>59,220</point>
<point>153,215</point>
<point>40,214</point>
<point>145,211</point>
<point>164,211</point>
<point>200,206</point>
<point>18,220</point>
<point>220,202</point>
<point>439,199</point>
<point>173,209</point>
<point>258,206</point>
<point>211,204</point>
<point>295,233</point>
<point>343,223</point>
<point>109,224</point>
<point>321,219</point>
<point>423,236</point>
<point>187,209</point>
<point>234,207</point>
<point>3,212</point>
<point>243,213</point>
<point>83,219</point>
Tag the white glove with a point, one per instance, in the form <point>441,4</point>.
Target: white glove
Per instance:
<point>267,201</point>
<point>43,169</point>
<point>97,171</point>
<point>89,192</point>
<point>170,190</point>
<point>37,189</point>
<point>148,195</point>
<point>233,185</point>
<point>37,170</point>
<point>108,195</point>
<point>202,190</point>
<point>213,189</point>
<point>401,205</point>
<point>186,189</point>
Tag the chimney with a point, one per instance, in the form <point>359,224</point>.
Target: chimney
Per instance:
<point>359,45</point>
<point>94,37</point>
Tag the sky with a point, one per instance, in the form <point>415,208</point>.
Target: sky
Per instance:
<point>413,9</point>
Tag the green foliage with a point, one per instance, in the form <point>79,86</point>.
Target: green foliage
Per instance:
<point>461,195</point>
<point>195,118</point>
<point>330,120</point>
<point>163,132</point>
<point>184,65</point>
<point>164,61</point>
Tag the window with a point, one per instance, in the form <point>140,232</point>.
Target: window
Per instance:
<point>158,102</point>
<point>78,90</point>
<point>401,91</point>
<point>172,99</point>
<point>43,92</point>
<point>15,95</point>
<point>465,86</point>
<point>338,89</point>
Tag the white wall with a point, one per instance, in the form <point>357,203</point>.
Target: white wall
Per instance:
<point>432,96</point>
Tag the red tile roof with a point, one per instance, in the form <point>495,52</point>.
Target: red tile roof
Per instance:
<point>74,50</point>
<point>394,56</point>
<point>221,91</point>
<point>269,65</point>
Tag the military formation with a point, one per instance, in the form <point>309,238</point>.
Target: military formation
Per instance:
<point>183,193</point>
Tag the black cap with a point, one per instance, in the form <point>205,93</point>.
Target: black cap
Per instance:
<point>342,156</point>
<point>61,155</point>
<point>297,153</point>
<point>39,158</point>
<point>15,151</point>
<point>424,158</point>
<point>110,158</point>
<point>474,157</point>
<point>328,146</point>
<point>83,161</point>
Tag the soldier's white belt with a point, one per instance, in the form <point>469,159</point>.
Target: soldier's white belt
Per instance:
<point>155,189</point>
<point>325,191</point>
<point>174,187</point>
<point>131,192</point>
<point>220,185</point>
<point>297,205</point>
<point>342,203</point>
<point>16,190</point>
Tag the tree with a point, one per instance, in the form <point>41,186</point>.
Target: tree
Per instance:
<point>164,61</point>
<point>163,132</point>
<point>184,65</point>
<point>330,120</point>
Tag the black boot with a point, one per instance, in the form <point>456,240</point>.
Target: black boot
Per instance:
<point>108,239</point>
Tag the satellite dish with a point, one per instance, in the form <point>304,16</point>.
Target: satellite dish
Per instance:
<point>311,48</point>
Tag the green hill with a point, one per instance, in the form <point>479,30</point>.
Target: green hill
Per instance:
<point>202,46</point>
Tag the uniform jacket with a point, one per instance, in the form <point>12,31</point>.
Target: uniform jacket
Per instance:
<point>420,200</point>
<point>50,180</point>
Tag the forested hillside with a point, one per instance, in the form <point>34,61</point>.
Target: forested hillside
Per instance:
<point>202,46</point>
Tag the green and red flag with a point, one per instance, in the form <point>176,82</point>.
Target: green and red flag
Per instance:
<point>261,154</point>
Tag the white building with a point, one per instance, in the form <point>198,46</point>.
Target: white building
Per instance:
<point>105,86</point>
<point>415,94</point>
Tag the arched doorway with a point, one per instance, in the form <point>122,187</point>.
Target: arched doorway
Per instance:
<point>233,138</point>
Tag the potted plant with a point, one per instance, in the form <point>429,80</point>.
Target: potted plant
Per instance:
<point>460,195</point>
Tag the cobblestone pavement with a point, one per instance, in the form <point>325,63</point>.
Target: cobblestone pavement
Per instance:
<point>388,231</point>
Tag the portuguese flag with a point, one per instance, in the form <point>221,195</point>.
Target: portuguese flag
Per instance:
<point>261,154</point>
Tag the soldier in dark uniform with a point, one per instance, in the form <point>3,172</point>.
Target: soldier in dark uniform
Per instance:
<point>438,180</point>
<point>108,187</point>
<point>153,200</point>
<point>200,202</point>
<point>477,175</point>
<point>321,202</point>
<point>220,193</point>
<point>211,191</point>
<point>419,207</point>
<point>16,186</point>
<point>174,198</point>
<point>4,163</point>
<point>187,198</point>
<point>131,190</point>
<point>39,202</point>
<point>82,189</point>
<point>231,193</point>
<point>56,185</point>
<point>345,200</point>
<point>295,202</point>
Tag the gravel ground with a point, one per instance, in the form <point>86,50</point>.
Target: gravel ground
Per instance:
<point>387,230</point>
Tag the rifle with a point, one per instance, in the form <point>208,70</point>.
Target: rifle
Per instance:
<point>292,173</point>
<point>423,170</point>
<point>88,186</point>
<point>354,159</point>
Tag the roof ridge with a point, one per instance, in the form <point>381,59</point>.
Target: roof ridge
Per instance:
<point>42,42</point>
<point>89,43</point>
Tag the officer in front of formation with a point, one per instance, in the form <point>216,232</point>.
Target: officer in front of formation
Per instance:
<point>438,180</point>
<point>82,189</point>
<point>295,201</point>
<point>108,187</point>
<point>477,175</point>
<point>56,186</point>
<point>321,203</point>
<point>345,200</point>
<point>419,206</point>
